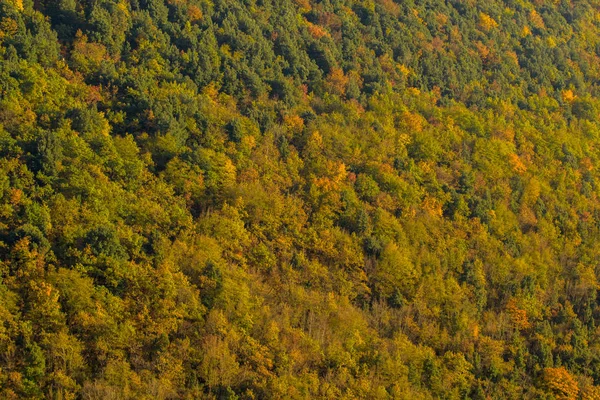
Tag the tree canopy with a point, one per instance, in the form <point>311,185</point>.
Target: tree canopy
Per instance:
<point>305,199</point>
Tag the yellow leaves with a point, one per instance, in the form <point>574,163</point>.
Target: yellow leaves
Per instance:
<point>491,351</point>
<point>527,216</point>
<point>587,278</point>
<point>219,365</point>
<point>561,383</point>
<point>525,31</point>
<point>249,142</point>
<point>333,181</point>
<point>341,173</point>
<point>272,332</point>
<point>413,121</point>
<point>590,392</point>
<point>441,19</point>
<point>417,16</point>
<point>226,50</point>
<point>45,288</point>
<point>404,69</point>
<point>395,271</point>
<point>211,91</point>
<point>123,7</point>
<point>486,22</point>
<point>532,192</point>
<point>294,122</point>
<point>229,172</point>
<point>568,96</point>
<point>315,141</point>
<point>18,4</point>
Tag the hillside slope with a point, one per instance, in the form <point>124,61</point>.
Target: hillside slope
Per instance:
<point>272,199</point>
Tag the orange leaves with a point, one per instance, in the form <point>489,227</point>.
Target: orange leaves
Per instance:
<point>16,195</point>
<point>561,383</point>
<point>94,94</point>
<point>337,82</point>
<point>194,13</point>
<point>516,164</point>
<point>587,164</point>
<point>316,31</point>
<point>518,316</point>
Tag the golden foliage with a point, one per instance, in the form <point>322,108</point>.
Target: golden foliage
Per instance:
<point>413,121</point>
<point>432,206</point>
<point>195,13</point>
<point>8,27</point>
<point>18,4</point>
<point>561,383</point>
<point>568,96</point>
<point>516,164</point>
<point>486,22</point>
<point>16,196</point>
<point>337,81</point>
<point>294,122</point>
<point>518,316</point>
<point>590,392</point>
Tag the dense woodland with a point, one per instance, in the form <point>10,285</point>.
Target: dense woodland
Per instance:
<point>299,199</point>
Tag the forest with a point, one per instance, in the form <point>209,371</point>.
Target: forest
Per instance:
<point>299,199</point>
